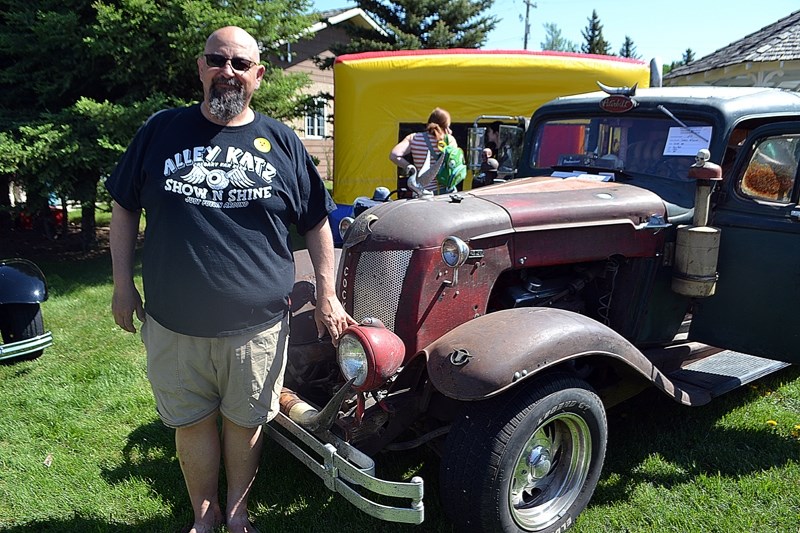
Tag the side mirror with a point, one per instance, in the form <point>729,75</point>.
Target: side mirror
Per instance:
<point>475,144</point>
<point>509,148</point>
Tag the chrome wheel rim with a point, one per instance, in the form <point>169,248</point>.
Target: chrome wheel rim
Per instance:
<point>550,471</point>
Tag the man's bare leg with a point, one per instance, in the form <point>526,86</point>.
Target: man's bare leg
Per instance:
<point>242,453</point>
<point>198,449</point>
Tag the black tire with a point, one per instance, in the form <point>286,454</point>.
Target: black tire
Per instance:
<point>556,424</point>
<point>19,322</point>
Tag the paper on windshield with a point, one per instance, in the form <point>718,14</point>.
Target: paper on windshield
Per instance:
<point>687,141</point>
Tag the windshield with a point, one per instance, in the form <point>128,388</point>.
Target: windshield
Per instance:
<point>657,146</point>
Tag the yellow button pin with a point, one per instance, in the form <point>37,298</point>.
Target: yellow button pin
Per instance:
<point>262,145</point>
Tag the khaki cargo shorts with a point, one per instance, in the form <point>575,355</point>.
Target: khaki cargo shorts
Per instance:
<point>192,377</point>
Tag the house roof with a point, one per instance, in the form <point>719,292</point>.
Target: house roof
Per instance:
<point>354,15</point>
<point>779,41</point>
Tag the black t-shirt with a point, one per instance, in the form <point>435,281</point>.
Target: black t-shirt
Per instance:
<point>217,257</point>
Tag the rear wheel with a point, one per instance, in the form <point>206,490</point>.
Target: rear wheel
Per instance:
<point>526,461</point>
<point>19,322</point>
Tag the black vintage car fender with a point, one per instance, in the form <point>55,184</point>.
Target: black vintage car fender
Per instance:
<point>21,282</point>
<point>22,289</point>
<point>485,356</point>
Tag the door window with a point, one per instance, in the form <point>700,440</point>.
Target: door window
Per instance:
<point>772,171</point>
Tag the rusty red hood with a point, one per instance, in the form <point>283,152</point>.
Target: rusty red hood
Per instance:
<point>536,202</point>
<point>527,203</point>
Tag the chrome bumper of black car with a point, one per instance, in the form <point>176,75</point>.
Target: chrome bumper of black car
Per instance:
<point>25,347</point>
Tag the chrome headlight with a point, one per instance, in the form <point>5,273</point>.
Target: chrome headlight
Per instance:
<point>344,225</point>
<point>454,251</point>
<point>352,359</point>
<point>370,353</point>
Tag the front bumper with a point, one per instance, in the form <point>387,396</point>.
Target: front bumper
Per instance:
<point>341,467</point>
<point>25,347</point>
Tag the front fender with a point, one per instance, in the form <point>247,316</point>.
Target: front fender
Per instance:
<point>21,282</point>
<point>485,356</point>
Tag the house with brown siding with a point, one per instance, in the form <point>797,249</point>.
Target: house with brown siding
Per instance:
<point>316,128</point>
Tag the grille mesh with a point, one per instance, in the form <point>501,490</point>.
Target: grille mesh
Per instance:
<point>378,284</point>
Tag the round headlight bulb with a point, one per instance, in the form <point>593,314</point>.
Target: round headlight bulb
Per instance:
<point>454,251</point>
<point>352,359</point>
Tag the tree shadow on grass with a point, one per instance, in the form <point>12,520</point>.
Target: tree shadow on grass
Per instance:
<point>65,277</point>
<point>91,525</point>
<point>688,440</point>
<point>289,498</point>
<point>149,455</point>
<point>66,266</point>
<point>286,497</point>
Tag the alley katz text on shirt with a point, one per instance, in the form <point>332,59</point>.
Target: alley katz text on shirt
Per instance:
<point>212,170</point>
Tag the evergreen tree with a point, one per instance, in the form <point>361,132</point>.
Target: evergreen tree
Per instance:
<point>628,49</point>
<point>554,41</point>
<point>418,24</point>
<point>80,76</point>
<point>593,35</point>
<point>688,57</point>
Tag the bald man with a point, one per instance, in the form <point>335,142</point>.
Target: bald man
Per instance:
<point>220,185</point>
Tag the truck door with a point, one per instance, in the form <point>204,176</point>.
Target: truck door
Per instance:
<point>755,308</point>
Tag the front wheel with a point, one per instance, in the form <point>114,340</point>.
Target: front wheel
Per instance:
<point>526,461</point>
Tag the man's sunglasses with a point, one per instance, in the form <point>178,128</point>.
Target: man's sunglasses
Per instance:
<point>238,64</point>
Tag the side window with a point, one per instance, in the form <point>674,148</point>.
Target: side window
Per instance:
<point>772,170</point>
<point>315,120</point>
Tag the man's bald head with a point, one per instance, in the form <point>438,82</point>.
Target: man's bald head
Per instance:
<point>234,37</point>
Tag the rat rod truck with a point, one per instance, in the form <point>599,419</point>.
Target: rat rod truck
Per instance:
<point>648,239</point>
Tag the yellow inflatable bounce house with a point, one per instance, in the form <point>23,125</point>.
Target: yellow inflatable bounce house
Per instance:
<point>382,96</point>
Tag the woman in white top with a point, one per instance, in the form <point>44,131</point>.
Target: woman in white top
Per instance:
<point>423,160</point>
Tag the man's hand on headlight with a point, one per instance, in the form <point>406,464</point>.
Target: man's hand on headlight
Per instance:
<point>330,315</point>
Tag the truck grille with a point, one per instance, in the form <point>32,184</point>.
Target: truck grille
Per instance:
<point>378,283</point>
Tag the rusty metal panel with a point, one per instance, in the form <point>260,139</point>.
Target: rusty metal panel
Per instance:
<point>468,363</point>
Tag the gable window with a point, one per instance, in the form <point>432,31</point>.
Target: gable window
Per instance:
<point>316,118</point>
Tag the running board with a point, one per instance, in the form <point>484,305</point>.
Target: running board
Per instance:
<point>724,371</point>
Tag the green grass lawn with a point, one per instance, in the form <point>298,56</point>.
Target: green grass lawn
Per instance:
<point>81,447</point>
